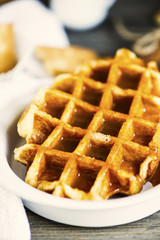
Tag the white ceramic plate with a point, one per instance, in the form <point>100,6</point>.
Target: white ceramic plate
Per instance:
<point>80,213</point>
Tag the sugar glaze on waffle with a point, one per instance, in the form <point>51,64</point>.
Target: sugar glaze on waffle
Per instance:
<point>94,133</point>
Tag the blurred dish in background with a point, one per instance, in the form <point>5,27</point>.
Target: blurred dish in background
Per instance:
<point>81,14</point>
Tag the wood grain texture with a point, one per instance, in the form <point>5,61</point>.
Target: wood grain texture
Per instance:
<point>145,229</point>
<point>137,15</point>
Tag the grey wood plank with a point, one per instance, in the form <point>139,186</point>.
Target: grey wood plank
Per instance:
<point>43,229</point>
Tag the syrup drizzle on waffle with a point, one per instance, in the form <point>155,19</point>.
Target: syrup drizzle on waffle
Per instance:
<point>94,133</point>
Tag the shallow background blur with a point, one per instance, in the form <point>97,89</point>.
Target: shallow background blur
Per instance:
<point>138,16</point>
<point>123,23</point>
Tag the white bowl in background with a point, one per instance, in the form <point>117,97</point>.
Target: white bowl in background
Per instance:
<point>81,14</point>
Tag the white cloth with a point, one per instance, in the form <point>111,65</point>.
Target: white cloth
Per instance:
<point>33,25</point>
<point>13,221</point>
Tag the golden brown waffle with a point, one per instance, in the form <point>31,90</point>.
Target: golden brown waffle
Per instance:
<point>94,134</point>
<point>8,57</point>
<point>58,60</point>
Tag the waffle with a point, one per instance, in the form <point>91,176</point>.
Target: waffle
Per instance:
<point>95,133</point>
<point>8,57</point>
<point>57,60</point>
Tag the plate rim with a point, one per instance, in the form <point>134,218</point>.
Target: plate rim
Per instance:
<point>31,194</point>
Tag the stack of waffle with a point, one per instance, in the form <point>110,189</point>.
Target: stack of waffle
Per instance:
<point>94,133</point>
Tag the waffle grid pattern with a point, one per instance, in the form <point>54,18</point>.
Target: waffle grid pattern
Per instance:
<point>94,133</point>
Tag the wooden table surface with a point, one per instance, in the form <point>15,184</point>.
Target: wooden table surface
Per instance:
<point>137,16</point>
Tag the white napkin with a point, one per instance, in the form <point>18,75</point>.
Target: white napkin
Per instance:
<point>13,221</point>
<point>33,25</point>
